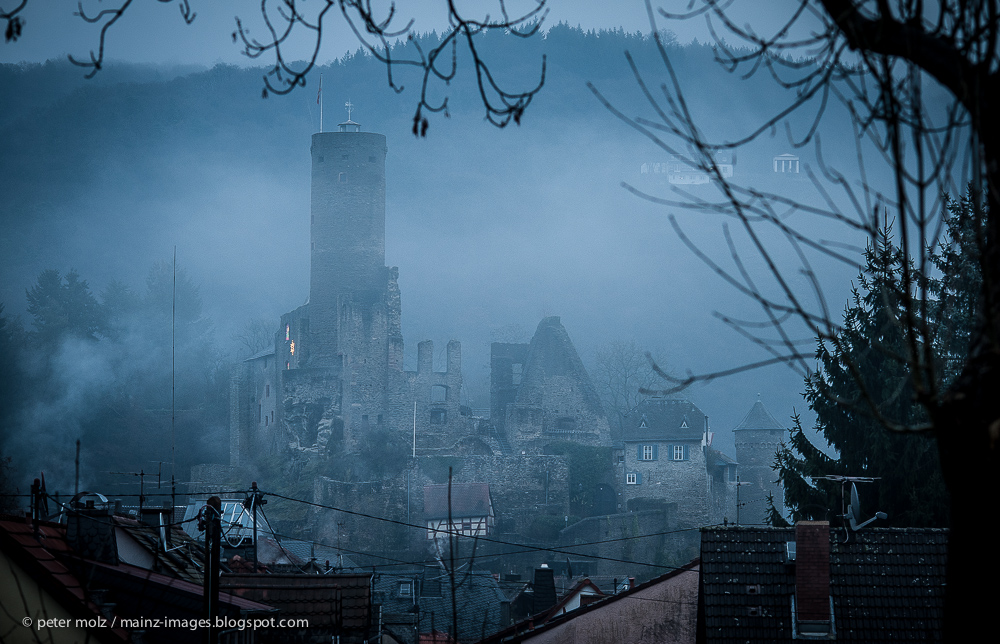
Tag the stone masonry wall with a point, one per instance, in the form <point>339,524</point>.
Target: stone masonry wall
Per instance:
<point>681,482</point>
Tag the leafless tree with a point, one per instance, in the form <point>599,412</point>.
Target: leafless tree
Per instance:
<point>622,371</point>
<point>255,335</point>
<point>887,63</point>
<point>382,32</point>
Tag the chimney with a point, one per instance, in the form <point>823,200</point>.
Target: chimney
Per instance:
<point>812,576</point>
<point>90,532</point>
<point>544,589</point>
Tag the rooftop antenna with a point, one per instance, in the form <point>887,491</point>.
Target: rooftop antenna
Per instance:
<point>173,365</point>
<point>852,513</point>
<point>319,99</point>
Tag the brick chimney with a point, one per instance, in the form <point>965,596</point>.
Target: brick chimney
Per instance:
<point>812,571</point>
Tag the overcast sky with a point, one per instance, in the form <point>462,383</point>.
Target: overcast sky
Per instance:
<point>155,33</point>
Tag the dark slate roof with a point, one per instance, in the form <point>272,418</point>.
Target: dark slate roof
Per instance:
<point>660,419</point>
<point>758,418</point>
<point>329,602</point>
<point>268,351</point>
<point>478,598</point>
<point>887,584</point>
<point>718,459</point>
<point>467,500</point>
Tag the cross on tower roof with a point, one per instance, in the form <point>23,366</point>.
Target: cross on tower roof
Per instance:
<point>349,106</point>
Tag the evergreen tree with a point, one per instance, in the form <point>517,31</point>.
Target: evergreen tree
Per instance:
<point>63,307</point>
<point>863,383</point>
<point>957,289</point>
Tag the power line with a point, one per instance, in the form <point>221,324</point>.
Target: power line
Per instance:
<point>524,547</point>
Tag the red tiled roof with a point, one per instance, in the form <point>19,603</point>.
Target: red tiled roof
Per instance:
<point>36,556</point>
<point>467,500</point>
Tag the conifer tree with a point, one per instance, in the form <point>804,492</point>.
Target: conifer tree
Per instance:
<point>862,384</point>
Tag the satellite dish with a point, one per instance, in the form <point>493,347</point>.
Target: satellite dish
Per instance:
<point>854,511</point>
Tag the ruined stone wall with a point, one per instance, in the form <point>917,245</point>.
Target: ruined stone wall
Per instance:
<point>521,488</point>
<point>506,369</point>
<point>431,400</point>
<point>556,399</point>
<point>311,408</point>
<point>562,412</point>
<point>254,418</point>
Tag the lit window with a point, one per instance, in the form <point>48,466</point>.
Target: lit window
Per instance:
<point>288,332</point>
<point>292,347</point>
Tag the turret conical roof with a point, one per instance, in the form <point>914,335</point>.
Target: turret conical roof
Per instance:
<point>758,418</point>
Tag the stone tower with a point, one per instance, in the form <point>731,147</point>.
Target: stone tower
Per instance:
<point>757,439</point>
<point>347,232</point>
<point>336,373</point>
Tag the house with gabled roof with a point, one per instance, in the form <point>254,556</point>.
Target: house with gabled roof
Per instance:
<point>470,510</point>
<point>816,582</point>
<point>667,457</point>
<point>662,610</point>
<point>81,571</point>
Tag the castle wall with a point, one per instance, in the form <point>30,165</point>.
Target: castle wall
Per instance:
<point>684,482</point>
<point>555,400</point>
<point>521,487</point>
<point>254,417</point>
<point>755,449</point>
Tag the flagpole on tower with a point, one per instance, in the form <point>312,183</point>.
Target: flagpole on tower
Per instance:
<point>319,99</point>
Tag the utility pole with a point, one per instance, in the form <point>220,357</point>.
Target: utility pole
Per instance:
<point>213,552</point>
<point>254,500</point>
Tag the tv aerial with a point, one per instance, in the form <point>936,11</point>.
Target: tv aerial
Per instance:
<point>852,513</point>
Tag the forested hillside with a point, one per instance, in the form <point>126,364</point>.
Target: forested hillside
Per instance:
<point>491,229</point>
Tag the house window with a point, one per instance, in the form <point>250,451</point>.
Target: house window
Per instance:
<point>679,453</point>
<point>633,478</point>
<point>439,416</point>
<point>439,393</point>
<point>406,589</point>
<point>648,453</point>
